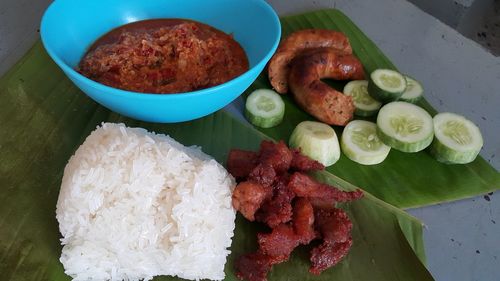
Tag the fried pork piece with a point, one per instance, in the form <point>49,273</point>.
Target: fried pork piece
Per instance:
<point>321,203</point>
<point>303,220</point>
<point>327,255</point>
<point>276,155</point>
<point>263,174</point>
<point>253,266</point>
<point>248,197</point>
<point>304,186</point>
<point>297,208</point>
<point>333,224</point>
<point>240,162</point>
<point>300,162</point>
<point>280,242</point>
<point>278,210</point>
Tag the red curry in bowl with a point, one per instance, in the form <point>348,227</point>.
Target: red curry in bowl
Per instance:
<point>164,56</point>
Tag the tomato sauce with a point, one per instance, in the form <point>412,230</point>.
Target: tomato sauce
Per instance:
<point>164,56</point>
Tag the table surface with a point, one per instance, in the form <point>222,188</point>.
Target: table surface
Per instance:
<point>462,238</point>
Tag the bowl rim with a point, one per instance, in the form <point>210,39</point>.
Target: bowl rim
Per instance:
<point>141,95</point>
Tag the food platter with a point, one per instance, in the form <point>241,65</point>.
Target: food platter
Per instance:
<point>403,178</point>
<point>45,118</point>
<point>30,230</point>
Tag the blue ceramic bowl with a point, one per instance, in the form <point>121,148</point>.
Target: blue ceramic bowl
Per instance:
<point>69,27</point>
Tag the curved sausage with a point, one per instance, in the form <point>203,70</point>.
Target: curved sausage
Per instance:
<point>316,97</point>
<point>294,44</point>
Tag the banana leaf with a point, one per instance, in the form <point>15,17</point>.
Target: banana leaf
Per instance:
<point>44,118</point>
<point>405,180</point>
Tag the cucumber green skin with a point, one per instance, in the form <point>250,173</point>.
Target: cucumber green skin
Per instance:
<point>446,155</point>
<point>359,111</point>
<point>365,113</point>
<point>404,146</point>
<point>381,95</point>
<point>267,122</point>
<point>412,100</point>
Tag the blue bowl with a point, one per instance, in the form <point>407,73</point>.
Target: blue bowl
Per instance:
<point>69,27</point>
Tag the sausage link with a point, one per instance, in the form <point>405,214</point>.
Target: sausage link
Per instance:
<point>316,97</point>
<point>294,44</point>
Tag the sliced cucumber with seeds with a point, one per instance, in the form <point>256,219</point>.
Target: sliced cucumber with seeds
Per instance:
<point>414,91</point>
<point>316,140</point>
<point>264,108</point>
<point>457,140</point>
<point>386,85</point>
<point>405,126</point>
<point>364,103</point>
<point>361,144</point>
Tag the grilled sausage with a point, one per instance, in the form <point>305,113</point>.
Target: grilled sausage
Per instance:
<point>316,97</point>
<point>294,44</point>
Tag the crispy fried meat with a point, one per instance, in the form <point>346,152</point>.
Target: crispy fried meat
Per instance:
<point>303,220</point>
<point>248,197</point>
<point>305,186</point>
<point>278,210</point>
<point>253,266</point>
<point>333,224</point>
<point>297,208</point>
<point>240,162</point>
<point>327,255</point>
<point>280,242</point>
<point>263,174</point>
<point>277,155</point>
<point>321,203</point>
<point>300,162</point>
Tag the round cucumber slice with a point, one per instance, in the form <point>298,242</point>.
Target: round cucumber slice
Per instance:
<point>264,108</point>
<point>457,140</point>
<point>386,85</point>
<point>364,103</point>
<point>361,144</point>
<point>414,91</point>
<point>316,140</point>
<point>405,126</point>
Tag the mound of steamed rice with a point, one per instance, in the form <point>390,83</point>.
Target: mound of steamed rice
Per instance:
<point>134,205</point>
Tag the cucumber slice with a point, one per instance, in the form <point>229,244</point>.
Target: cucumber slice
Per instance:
<point>264,108</point>
<point>405,126</point>
<point>361,144</point>
<point>364,103</point>
<point>414,91</point>
<point>316,140</point>
<point>386,85</point>
<point>457,140</point>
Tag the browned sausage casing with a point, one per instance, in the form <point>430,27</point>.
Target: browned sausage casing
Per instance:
<point>316,97</point>
<point>294,44</point>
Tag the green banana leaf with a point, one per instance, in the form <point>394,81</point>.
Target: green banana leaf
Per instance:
<point>44,118</point>
<point>405,180</point>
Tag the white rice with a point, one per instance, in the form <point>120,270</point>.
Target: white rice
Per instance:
<point>134,205</point>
